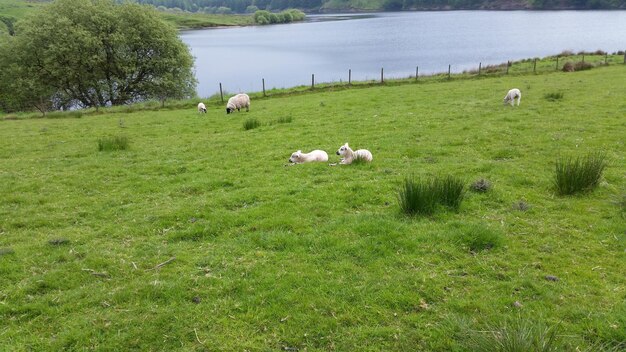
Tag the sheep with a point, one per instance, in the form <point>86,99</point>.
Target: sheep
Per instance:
<point>511,95</point>
<point>237,102</point>
<point>299,157</point>
<point>201,108</point>
<point>349,155</point>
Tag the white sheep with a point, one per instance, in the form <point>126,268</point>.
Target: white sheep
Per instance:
<point>237,102</point>
<point>511,95</point>
<point>350,155</point>
<point>201,108</point>
<point>299,157</point>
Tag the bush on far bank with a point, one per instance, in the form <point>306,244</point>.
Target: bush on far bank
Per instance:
<point>265,17</point>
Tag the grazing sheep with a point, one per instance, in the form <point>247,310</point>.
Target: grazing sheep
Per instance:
<point>511,95</point>
<point>299,157</point>
<point>237,102</point>
<point>201,108</point>
<point>349,155</point>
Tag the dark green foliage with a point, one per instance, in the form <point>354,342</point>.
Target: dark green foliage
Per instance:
<point>578,66</point>
<point>450,190</point>
<point>251,124</point>
<point>287,16</point>
<point>554,96</point>
<point>580,174</point>
<point>423,196</point>
<point>417,197</point>
<point>112,143</point>
<point>516,336</point>
<point>93,54</point>
<point>478,238</point>
<point>287,119</point>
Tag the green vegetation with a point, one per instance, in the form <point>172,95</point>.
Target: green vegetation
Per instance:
<point>199,238</point>
<point>573,175</point>
<point>266,17</point>
<point>250,124</point>
<point>93,54</point>
<point>113,143</point>
<point>423,196</point>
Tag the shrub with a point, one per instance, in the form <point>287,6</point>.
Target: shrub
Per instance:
<point>251,124</point>
<point>519,335</point>
<point>573,175</point>
<point>481,186</point>
<point>112,143</point>
<point>478,238</point>
<point>554,96</point>
<point>581,65</point>
<point>566,53</point>
<point>417,198</point>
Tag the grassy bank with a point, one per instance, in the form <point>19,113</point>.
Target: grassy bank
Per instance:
<point>189,233</point>
<point>19,9</point>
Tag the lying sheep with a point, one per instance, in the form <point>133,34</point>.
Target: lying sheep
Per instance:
<point>511,95</point>
<point>201,108</point>
<point>349,155</point>
<point>299,157</point>
<point>237,102</point>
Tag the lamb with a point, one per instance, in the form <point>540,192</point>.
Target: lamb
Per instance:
<point>511,95</point>
<point>299,157</point>
<point>201,107</point>
<point>349,155</point>
<point>237,102</point>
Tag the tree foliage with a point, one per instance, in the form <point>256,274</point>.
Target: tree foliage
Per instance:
<point>93,53</point>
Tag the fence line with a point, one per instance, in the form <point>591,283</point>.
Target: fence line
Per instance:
<point>483,70</point>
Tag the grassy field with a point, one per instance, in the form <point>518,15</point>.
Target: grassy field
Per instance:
<point>195,236</point>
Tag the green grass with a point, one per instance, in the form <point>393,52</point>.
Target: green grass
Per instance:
<point>580,174</point>
<point>251,123</point>
<point>268,257</point>
<point>113,143</point>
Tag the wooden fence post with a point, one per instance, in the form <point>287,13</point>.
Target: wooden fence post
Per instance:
<point>221,93</point>
<point>606,58</point>
<point>349,76</point>
<point>449,66</point>
<point>557,64</point>
<point>382,77</point>
<point>264,87</point>
<point>583,58</point>
<point>417,71</point>
<point>313,81</point>
<point>480,66</point>
<point>508,63</point>
<point>535,66</point>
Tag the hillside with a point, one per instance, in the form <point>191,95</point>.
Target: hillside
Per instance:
<point>195,235</point>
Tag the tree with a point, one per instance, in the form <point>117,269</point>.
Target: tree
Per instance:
<point>96,53</point>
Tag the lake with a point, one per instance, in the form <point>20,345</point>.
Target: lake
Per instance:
<point>329,45</point>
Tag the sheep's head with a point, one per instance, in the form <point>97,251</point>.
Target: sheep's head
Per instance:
<point>343,149</point>
<point>229,110</point>
<point>295,157</point>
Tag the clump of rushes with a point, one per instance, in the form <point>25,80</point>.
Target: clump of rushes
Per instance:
<point>417,197</point>
<point>478,238</point>
<point>112,143</point>
<point>580,174</point>
<point>251,124</point>
<point>554,96</point>
<point>421,197</point>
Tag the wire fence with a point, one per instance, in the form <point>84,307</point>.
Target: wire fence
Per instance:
<point>567,62</point>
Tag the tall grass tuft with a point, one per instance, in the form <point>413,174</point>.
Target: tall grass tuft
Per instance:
<point>422,197</point>
<point>251,124</point>
<point>450,191</point>
<point>417,197</point>
<point>112,143</point>
<point>517,336</point>
<point>554,96</point>
<point>573,175</point>
<point>479,238</point>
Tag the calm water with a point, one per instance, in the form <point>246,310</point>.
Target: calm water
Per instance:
<point>287,55</point>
